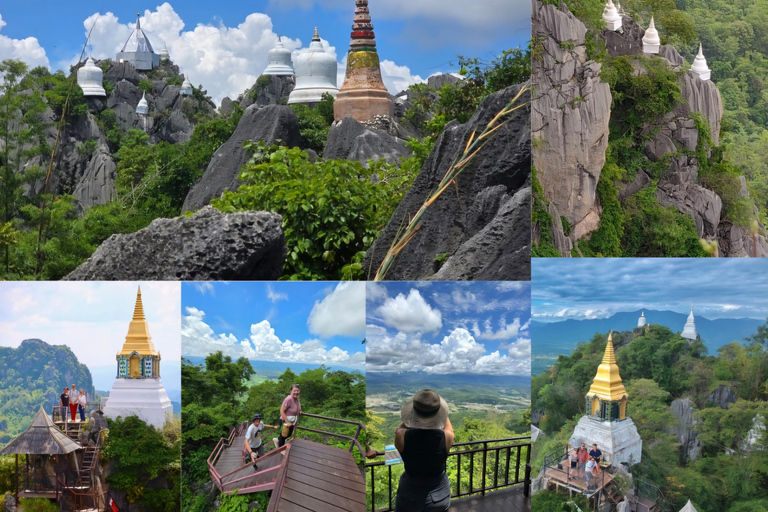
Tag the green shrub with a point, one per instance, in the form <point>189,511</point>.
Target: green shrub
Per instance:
<point>145,85</point>
<point>331,210</point>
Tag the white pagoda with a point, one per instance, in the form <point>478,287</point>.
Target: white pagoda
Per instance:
<point>280,63</point>
<point>138,51</point>
<point>689,331</point>
<point>138,389</point>
<point>699,65</point>
<point>651,41</point>
<point>90,78</point>
<point>315,74</point>
<point>611,16</point>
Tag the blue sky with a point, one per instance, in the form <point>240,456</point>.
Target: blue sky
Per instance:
<point>449,327</point>
<point>223,45</point>
<point>304,322</point>
<point>597,288</point>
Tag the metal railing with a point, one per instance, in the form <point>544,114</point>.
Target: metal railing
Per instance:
<point>62,413</point>
<point>353,440</point>
<point>652,492</point>
<point>73,499</point>
<point>498,466</point>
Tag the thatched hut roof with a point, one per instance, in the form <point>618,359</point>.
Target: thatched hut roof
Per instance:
<point>42,437</point>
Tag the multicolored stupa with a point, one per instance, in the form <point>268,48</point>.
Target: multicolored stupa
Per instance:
<point>138,389</point>
<point>363,94</point>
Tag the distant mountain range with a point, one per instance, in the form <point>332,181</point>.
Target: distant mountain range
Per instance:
<point>552,339</point>
<point>437,381</point>
<point>273,369</point>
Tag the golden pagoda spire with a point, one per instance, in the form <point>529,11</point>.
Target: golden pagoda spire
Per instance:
<point>138,338</point>
<point>607,383</point>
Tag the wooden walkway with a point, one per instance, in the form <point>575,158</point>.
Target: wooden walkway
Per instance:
<point>318,478</point>
<point>510,499</point>
<point>560,479</point>
<point>234,475</point>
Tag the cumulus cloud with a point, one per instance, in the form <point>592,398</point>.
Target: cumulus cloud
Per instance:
<point>199,339</point>
<point>224,60</point>
<point>340,313</point>
<point>410,314</point>
<point>27,50</point>
<point>458,352</point>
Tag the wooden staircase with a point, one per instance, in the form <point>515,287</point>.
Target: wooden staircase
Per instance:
<point>89,461</point>
<point>612,494</point>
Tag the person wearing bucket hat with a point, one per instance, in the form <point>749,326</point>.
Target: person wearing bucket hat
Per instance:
<point>289,413</point>
<point>253,447</point>
<point>424,439</point>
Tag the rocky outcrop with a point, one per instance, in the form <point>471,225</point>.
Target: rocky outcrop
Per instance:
<point>208,246</point>
<point>350,140</point>
<point>682,192</point>
<point>571,110</point>
<point>481,232</point>
<point>685,433</point>
<point>277,91</point>
<point>97,185</point>
<point>723,396</point>
<point>437,82</point>
<point>701,96</point>
<point>268,124</point>
<point>627,42</point>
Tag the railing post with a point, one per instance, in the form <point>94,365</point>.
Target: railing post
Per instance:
<point>471,470</point>
<point>485,460</point>
<point>517,464</point>
<point>373,491</point>
<point>527,484</point>
<point>458,475</point>
<point>496,469</point>
<point>390,486</point>
<point>506,473</point>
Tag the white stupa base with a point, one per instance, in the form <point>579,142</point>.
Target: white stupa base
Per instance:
<point>145,398</point>
<point>703,75</point>
<point>651,48</point>
<point>310,96</point>
<point>618,440</point>
<point>93,90</point>
<point>279,70</point>
<point>613,25</point>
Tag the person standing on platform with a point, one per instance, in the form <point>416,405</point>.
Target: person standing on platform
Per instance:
<point>81,402</point>
<point>73,403</point>
<point>289,414</point>
<point>64,404</point>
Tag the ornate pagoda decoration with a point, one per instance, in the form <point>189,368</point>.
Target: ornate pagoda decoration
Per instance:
<point>363,94</point>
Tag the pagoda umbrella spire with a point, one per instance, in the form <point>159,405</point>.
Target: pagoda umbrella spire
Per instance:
<point>363,94</point>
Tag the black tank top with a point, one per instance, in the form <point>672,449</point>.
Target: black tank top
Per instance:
<point>424,453</point>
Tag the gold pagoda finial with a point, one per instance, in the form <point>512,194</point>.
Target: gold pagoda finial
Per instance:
<point>138,338</point>
<point>607,383</point>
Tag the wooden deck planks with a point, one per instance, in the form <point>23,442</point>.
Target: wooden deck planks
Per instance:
<point>321,478</point>
<point>503,500</point>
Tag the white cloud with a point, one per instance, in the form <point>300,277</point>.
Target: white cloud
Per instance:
<point>458,352</point>
<point>275,296</point>
<point>341,313</point>
<point>27,50</point>
<point>512,286</point>
<point>198,339</point>
<point>204,287</point>
<point>410,314</point>
<point>224,60</point>
<point>375,292</point>
<point>519,348</point>
<point>505,332</point>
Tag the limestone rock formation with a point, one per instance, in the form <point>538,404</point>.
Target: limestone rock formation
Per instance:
<point>348,139</point>
<point>627,42</point>
<point>268,124</point>
<point>683,409</point>
<point>210,245</point>
<point>723,396</point>
<point>681,191</point>
<point>484,231</point>
<point>570,114</point>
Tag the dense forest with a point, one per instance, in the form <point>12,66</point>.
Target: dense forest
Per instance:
<point>728,473</point>
<point>45,234</point>
<point>734,36</point>
<point>220,395</point>
<point>34,375</point>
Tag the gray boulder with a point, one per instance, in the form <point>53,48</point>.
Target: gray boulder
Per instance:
<point>267,124</point>
<point>627,42</point>
<point>176,130</point>
<point>681,191</point>
<point>350,140</point>
<point>122,71</point>
<point>670,53</point>
<point>685,432</point>
<point>440,81</point>
<point>484,231</point>
<point>209,246</point>
<point>723,396</point>
<point>124,93</point>
<point>126,116</point>
<point>276,91</point>
<point>97,185</point>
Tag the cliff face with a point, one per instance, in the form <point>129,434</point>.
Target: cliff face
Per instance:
<point>570,112</point>
<point>570,131</point>
<point>84,165</point>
